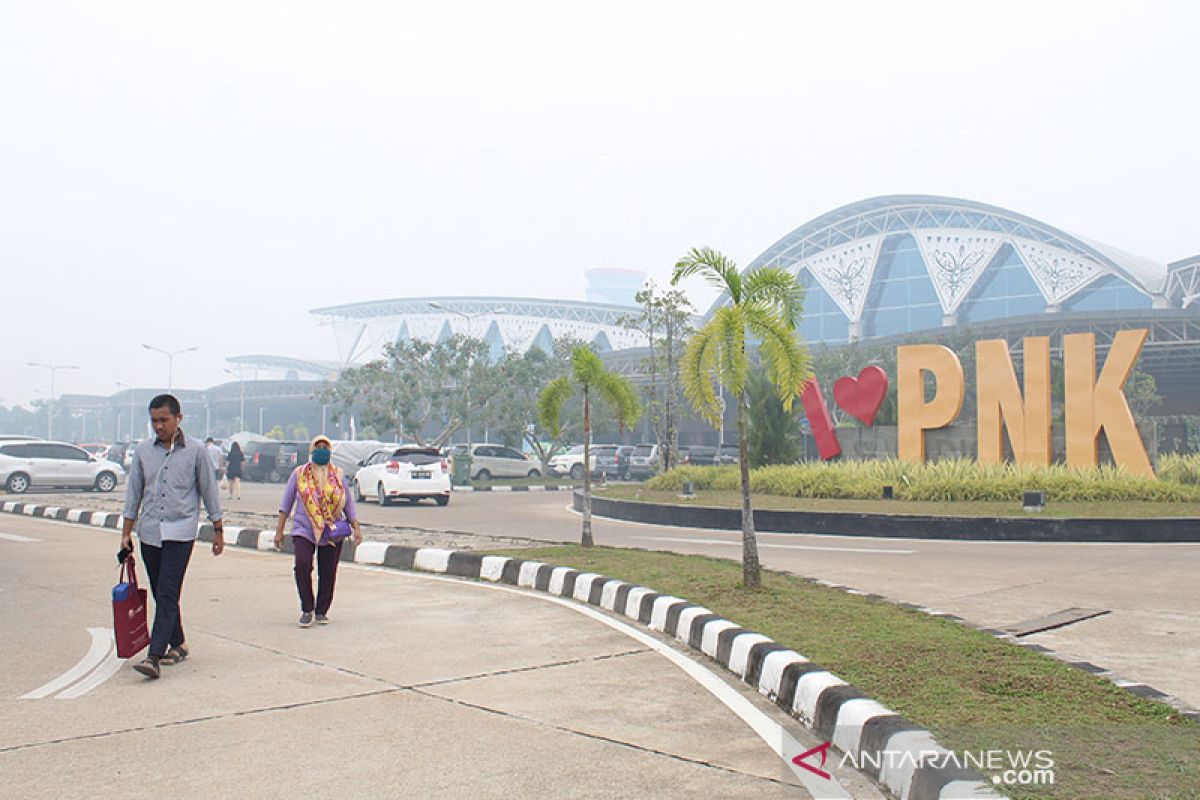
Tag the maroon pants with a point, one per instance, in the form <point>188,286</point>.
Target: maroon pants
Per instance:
<point>327,564</point>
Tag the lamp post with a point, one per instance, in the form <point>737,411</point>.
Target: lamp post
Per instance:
<point>170,354</point>
<point>54,368</point>
<point>242,387</point>
<point>470,318</point>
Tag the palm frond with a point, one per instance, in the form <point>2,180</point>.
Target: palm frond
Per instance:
<point>586,366</point>
<point>774,289</point>
<point>783,354</point>
<point>619,393</point>
<point>550,404</point>
<point>699,368</point>
<point>718,269</point>
<point>735,367</point>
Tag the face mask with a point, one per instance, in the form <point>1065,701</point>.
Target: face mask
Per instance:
<point>321,456</point>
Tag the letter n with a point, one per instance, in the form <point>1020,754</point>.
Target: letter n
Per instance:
<point>1092,405</point>
<point>915,415</point>
<point>999,399</point>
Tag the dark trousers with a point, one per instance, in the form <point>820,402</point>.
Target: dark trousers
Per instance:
<point>327,564</point>
<point>166,566</point>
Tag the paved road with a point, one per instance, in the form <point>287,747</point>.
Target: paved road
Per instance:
<point>1151,636</point>
<point>422,686</point>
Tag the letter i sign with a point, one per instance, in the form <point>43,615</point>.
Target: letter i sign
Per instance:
<point>861,397</point>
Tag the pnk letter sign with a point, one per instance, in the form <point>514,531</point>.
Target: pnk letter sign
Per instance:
<point>1090,404</point>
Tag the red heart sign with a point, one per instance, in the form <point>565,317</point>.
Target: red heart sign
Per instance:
<point>862,396</point>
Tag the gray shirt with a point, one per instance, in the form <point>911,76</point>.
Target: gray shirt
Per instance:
<point>165,488</point>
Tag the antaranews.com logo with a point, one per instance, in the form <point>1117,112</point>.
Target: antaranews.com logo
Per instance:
<point>1004,767</point>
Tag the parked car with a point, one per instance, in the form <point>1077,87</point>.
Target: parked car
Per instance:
<point>699,456</point>
<point>728,454</point>
<point>497,461</point>
<point>605,461</point>
<point>570,463</point>
<point>409,473</point>
<point>643,462</point>
<point>272,461</point>
<point>28,464</point>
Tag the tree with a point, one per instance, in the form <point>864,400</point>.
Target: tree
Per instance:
<point>276,433</point>
<point>765,303</point>
<point>774,432</point>
<point>665,321</point>
<point>417,384</point>
<point>588,375</point>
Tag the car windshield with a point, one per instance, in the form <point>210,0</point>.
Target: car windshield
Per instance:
<point>417,457</point>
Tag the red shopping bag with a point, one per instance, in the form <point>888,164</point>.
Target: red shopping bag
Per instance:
<point>129,613</point>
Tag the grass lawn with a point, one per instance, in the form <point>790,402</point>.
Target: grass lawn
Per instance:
<point>972,690</point>
<point>1119,509</point>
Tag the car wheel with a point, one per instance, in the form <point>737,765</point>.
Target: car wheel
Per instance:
<point>533,473</point>
<point>383,498</point>
<point>483,475</point>
<point>358,492</point>
<point>276,476</point>
<point>106,482</point>
<point>443,500</point>
<point>577,471</point>
<point>18,483</point>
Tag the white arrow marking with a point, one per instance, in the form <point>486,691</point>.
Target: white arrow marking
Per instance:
<point>102,673</point>
<point>102,641</point>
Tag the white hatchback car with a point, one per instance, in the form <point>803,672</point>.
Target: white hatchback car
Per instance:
<point>24,465</point>
<point>409,473</point>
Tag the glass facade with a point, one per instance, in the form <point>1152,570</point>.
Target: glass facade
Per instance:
<point>901,298</point>
<point>1109,293</point>
<point>823,321</point>
<point>1004,290</point>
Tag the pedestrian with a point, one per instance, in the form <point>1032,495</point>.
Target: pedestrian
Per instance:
<point>214,456</point>
<point>169,477</point>
<point>233,470</point>
<point>324,516</point>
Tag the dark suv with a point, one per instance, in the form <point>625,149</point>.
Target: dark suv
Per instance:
<point>272,461</point>
<point>699,456</point>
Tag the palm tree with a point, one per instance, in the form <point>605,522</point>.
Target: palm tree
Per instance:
<point>766,303</point>
<point>587,373</point>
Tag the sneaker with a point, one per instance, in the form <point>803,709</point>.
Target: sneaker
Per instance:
<point>305,620</point>
<point>322,619</point>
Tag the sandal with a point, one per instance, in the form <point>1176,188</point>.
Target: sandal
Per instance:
<point>148,667</point>
<point>174,655</point>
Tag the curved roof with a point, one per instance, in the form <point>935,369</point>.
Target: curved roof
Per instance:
<point>322,369</point>
<point>902,213</point>
<point>600,313</point>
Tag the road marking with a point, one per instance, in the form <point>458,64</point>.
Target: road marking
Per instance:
<point>781,742</point>
<point>102,642</point>
<point>106,670</point>
<point>778,546</point>
<point>12,537</point>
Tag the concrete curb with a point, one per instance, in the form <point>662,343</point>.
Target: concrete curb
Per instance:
<point>818,699</point>
<point>547,488</point>
<point>905,526</point>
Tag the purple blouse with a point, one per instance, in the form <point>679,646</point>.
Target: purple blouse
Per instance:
<point>293,505</point>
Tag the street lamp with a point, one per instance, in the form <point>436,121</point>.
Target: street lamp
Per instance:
<point>470,318</point>
<point>54,368</point>
<point>242,386</point>
<point>170,360</point>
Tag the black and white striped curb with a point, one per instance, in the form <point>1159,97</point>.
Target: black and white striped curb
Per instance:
<point>538,488</point>
<point>902,756</point>
<point>1137,688</point>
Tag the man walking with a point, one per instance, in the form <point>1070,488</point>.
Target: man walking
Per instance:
<point>214,455</point>
<point>169,476</point>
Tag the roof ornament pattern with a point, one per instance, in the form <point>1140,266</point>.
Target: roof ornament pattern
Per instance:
<point>955,259</point>
<point>846,272</point>
<point>1057,273</point>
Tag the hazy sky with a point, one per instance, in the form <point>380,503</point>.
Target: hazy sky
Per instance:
<point>205,175</point>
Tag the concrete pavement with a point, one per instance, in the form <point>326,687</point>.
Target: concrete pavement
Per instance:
<point>418,688</point>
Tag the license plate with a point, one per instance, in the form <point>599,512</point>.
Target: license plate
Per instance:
<point>422,474</point>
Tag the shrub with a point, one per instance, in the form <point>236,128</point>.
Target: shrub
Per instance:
<point>948,480</point>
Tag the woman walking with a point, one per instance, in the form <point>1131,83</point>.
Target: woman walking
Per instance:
<point>233,470</point>
<point>325,518</point>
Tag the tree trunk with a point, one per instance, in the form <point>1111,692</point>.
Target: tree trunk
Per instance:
<point>586,540</point>
<point>751,570</point>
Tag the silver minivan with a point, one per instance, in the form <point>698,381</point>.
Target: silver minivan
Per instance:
<point>497,461</point>
<point>24,465</point>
